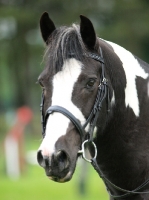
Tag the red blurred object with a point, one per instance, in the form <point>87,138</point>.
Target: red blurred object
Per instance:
<point>14,143</point>
<point>24,114</point>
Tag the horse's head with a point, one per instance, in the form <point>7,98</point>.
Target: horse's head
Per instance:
<point>70,80</point>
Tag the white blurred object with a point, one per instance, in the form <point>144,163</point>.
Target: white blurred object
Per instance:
<point>12,157</point>
<point>31,157</point>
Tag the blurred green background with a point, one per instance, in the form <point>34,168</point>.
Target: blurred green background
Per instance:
<point>21,52</point>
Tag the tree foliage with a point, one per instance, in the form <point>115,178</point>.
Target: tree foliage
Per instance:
<point>124,22</point>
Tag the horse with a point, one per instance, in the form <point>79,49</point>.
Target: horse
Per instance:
<point>95,95</point>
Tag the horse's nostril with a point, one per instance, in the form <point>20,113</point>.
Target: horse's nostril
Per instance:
<point>40,158</point>
<point>62,159</point>
<point>61,156</point>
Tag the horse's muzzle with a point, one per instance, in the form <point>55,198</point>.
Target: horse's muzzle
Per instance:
<point>56,166</point>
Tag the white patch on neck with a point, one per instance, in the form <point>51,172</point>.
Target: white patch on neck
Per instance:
<point>57,123</point>
<point>132,69</point>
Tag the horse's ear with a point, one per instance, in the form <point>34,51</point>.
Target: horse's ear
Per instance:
<point>46,26</point>
<point>87,32</point>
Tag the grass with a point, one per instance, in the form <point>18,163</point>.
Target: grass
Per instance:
<point>34,185</point>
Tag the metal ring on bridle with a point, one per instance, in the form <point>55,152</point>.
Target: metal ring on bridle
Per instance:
<point>82,151</point>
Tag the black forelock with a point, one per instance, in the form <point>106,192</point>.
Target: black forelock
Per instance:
<point>64,43</point>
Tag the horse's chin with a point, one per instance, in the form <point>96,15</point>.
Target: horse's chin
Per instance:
<point>62,180</point>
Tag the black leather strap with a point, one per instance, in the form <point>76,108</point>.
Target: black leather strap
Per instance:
<point>69,115</point>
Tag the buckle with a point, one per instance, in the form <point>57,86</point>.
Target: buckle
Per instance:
<point>105,81</point>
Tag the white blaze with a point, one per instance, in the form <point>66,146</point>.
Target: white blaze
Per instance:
<point>57,123</point>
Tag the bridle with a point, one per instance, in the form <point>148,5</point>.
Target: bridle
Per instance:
<point>102,94</point>
<point>103,91</point>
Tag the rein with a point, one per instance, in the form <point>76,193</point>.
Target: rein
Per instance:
<point>103,92</point>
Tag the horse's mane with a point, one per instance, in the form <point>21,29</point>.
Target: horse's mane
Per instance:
<point>64,42</point>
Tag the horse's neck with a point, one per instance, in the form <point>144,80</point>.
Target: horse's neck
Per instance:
<point>124,142</point>
<point>128,77</point>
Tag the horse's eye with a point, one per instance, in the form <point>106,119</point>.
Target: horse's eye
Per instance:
<point>90,83</point>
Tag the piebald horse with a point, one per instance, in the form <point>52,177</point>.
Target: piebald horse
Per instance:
<point>96,96</point>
